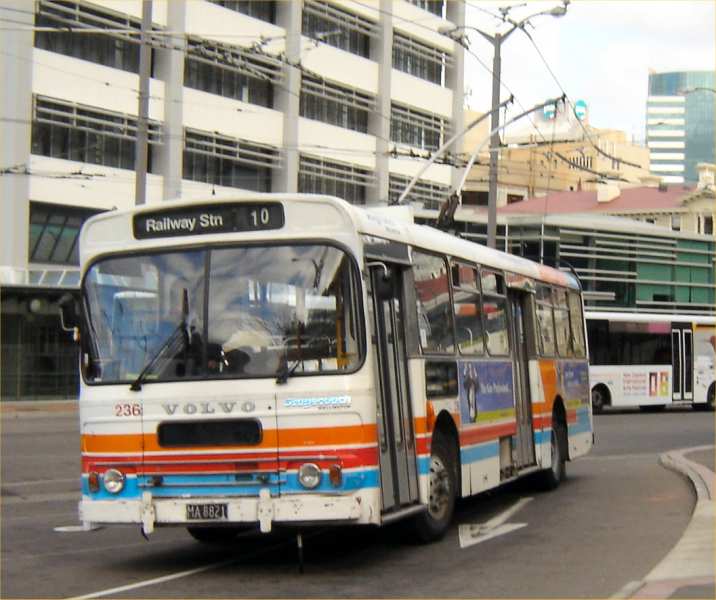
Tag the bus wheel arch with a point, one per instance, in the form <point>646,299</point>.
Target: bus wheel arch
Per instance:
<point>443,483</point>
<point>600,397</point>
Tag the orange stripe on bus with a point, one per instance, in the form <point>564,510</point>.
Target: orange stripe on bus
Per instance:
<point>352,434</point>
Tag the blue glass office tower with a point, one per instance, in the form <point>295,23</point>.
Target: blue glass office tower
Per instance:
<point>680,123</point>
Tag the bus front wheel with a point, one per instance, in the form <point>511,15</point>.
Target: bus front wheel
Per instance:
<point>435,521</point>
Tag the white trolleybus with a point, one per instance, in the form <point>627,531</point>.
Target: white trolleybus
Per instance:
<point>651,360</point>
<point>294,360</point>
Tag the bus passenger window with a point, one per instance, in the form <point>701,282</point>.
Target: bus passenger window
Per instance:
<point>561,323</point>
<point>494,310</point>
<point>434,313</point>
<point>468,310</point>
<point>577,325</point>
<point>545,320</point>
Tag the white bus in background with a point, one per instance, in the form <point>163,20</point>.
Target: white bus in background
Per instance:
<point>651,360</point>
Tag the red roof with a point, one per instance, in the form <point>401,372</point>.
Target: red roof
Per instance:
<point>631,199</point>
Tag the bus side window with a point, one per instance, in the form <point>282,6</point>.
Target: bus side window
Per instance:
<point>576,324</point>
<point>545,320</point>
<point>468,309</point>
<point>561,323</point>
<point>494,311</point>
<point>434,313</point>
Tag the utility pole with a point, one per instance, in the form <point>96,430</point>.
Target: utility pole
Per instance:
<point>496,41</point>
<point>494,141</point>
<point>145,65</point>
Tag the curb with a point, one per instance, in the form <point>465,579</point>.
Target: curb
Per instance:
<point>690,563</point>
<point>16,408</point>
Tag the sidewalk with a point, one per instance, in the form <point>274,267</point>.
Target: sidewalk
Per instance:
<point>687,571</point>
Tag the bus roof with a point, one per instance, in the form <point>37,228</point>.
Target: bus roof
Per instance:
<point>113,231</point>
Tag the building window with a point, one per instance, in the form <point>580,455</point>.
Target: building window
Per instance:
<point>54,230</point>
<point>117,50</point>
<point>259,9</point>
<point>87,134</point>
<point>676,222</point>
<point>318,176</point>
<point>231,71</point>
<point>334,104</point>
<point>416,128</point>
<point>338,28</point>
<point>433,6</point>
<point>221,160</point>
<point>418,59</point>
<point>707,225</point>
<point>430,194</point>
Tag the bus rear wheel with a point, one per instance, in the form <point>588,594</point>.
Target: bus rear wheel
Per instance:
<point>215,535</point>
<point>550,478</point>
<point>442,491</point>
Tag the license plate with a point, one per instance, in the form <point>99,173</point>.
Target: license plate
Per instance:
<point>206,512</point>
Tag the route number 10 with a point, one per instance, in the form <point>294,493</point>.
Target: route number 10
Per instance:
<point>260,217</point>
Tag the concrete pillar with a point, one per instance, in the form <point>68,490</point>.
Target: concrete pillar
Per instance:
<point>289,16</point>
<point>169,67</point>
<point>455,80</point>
<point>16,51</point>
<point>379,121</point>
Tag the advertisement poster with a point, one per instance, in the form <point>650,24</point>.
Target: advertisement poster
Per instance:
<point>486,390</point>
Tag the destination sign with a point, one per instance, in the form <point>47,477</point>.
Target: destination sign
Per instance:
<point>208,218</point>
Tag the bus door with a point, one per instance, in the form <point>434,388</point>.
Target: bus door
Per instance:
<point>682,349</point>
<point>395,420</point>
<point>519,311</point>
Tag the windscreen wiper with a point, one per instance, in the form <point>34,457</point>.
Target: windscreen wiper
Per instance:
<point>284,371</point>
<point>180,333</point>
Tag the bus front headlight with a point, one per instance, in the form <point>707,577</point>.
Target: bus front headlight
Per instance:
<point>309,475</point>
<point>114,481</point>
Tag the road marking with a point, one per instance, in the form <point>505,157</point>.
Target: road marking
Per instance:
<point>475,533</point>
<point>37,498</point>
<point>39,482</point>
<point>628,590</point>
<point>75,528</point>
<point>180,574</point>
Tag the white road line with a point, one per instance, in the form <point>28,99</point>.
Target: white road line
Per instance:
<point>173,576</point>
<point>11,484</point>
<point>475,533</point>
<point>467,539</point>
<point>37,498</point>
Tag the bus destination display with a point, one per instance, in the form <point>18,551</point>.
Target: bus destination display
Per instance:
<point>212,218</point>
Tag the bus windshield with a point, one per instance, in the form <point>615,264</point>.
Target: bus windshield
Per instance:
<point>224,312</point>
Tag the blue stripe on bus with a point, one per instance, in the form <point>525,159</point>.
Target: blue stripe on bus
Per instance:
<point>480,452</point>
<point>206,485</point>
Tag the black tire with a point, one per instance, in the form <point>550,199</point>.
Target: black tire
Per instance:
<point>215,535</point>
<point>652,408</point>
<point>432,525</point>
<point>600,399</point>
<point>710,403</point>
<point>549,479</point>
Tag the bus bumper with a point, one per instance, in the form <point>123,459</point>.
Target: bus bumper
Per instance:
<point>264,510</point>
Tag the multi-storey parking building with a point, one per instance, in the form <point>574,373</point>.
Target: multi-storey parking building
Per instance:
<point>328,96</point>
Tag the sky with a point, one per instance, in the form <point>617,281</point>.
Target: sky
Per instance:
<point>601,52</point>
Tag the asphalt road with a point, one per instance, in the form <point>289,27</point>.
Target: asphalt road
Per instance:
<point>614,518</point>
